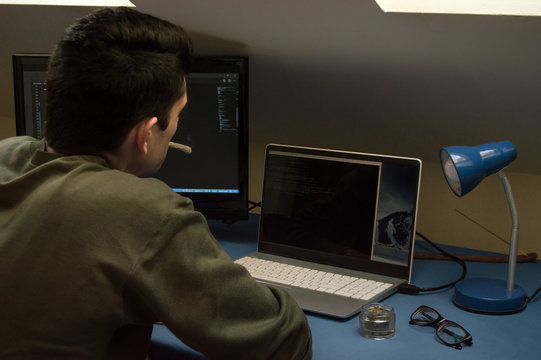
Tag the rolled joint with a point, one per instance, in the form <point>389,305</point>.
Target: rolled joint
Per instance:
<point>184,148</point>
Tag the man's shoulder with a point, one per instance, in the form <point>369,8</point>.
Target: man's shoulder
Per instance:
<point>10,141</point>
<point>118,199</point>
<point>15,156</point>
<point>11,144</point>
<point>118,185</point>
<point>132,186</point>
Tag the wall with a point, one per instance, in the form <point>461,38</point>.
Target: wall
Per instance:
<point>347,76</point>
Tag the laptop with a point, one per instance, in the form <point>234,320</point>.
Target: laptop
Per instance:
<point>346,215</point>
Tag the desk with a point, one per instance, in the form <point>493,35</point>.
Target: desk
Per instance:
<point>494,337</point>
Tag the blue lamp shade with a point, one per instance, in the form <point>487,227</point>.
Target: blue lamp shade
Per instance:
<point>466,166</point>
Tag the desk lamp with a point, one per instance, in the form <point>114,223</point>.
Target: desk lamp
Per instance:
<point>464,168</point>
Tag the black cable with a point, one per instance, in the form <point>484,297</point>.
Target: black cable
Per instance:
<point>254,205</point>
<point>530,298</point>
<point>415,290</point>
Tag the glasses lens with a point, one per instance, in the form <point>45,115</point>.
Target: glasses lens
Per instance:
<point>451,333</point>
<point>424,316</point>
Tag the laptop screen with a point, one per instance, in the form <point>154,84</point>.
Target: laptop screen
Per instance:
<point>344,209</point>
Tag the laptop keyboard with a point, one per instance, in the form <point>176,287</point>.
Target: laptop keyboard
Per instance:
<point>349,286</point>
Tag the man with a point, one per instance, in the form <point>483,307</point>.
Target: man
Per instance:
<point>92,253</point>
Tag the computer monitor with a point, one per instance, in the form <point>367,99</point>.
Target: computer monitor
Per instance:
<point>214,126</point>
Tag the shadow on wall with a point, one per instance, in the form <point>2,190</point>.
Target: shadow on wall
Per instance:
<point>214,45</point>
<point>404,111</point>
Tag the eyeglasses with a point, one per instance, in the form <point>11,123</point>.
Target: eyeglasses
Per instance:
<point>449,332</point>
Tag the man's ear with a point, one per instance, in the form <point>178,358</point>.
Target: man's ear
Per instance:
<point>144,132</point>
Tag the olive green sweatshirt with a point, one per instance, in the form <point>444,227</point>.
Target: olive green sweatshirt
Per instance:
<point>91,257</point>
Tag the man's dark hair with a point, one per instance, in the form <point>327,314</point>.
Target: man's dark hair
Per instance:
<point>112,69</point>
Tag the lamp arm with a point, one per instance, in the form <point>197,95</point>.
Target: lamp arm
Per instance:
<point>513,245</point>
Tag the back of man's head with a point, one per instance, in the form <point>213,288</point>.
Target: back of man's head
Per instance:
<point>112,69</point>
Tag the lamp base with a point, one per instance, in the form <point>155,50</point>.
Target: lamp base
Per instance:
<point>489,296</point>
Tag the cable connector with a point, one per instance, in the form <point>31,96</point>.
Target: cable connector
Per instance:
<point>409,289</point>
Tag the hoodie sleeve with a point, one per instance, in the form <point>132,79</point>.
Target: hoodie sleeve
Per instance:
<point>186,280</point>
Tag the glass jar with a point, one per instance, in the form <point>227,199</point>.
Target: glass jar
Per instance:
<point>377,321</point>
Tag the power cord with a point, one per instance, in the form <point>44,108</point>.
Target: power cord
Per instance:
<point>254,205</point>
<point>530,298</point>
<point>415,290</point>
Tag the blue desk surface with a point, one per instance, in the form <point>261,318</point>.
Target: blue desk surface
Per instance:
<point>494,336</point>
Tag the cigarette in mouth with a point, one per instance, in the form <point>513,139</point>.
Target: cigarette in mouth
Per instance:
<point>184,148</point>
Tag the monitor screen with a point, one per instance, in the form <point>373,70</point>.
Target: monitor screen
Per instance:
<point>213,172</point>
<point>211,164</point>
<point>29,74</point>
